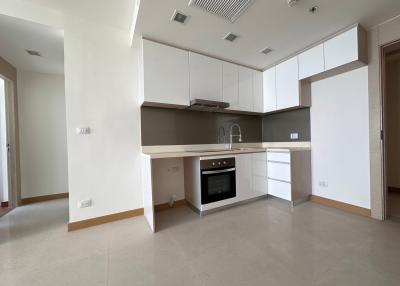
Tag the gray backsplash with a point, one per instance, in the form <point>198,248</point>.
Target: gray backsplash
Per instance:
<point>278,126</point>
<point>161,126</point>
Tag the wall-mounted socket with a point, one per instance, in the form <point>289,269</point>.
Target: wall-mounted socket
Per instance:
<point>294,136</point>
<point>84,204</point>
<point>323,184</point>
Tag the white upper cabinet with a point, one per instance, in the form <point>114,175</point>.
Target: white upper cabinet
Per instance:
<point>258,98</point>
<point>245,89</point>
<point>165,74</point>
<point>287,84</point>
<point>205,77</point>
<point>231,85</point>
<point>269,89</point>
<point>311,62</point>
<point>342,49</point>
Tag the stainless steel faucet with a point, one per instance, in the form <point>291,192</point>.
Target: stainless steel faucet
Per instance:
<point>223,137</point>
<point>231,135</point>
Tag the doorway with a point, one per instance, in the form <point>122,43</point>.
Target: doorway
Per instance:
<point>7,195</point>
<point>391,129</point>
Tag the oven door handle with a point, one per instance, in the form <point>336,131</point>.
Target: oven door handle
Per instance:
<point>218,171</point>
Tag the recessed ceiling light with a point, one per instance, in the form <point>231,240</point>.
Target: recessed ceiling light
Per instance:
<point>266,51</point>
<point>230,37</point>
<point>291,3</point>
<point>179,17</point>
<point>33,53</point>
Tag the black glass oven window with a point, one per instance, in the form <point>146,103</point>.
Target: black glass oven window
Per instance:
<point>219,184</point>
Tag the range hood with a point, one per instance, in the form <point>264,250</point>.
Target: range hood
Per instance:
<point>207,105</point>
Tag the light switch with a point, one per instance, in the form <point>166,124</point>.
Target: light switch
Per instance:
<point>83,130</point>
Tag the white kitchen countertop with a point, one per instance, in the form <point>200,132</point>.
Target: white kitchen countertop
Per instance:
<point>180,151</point>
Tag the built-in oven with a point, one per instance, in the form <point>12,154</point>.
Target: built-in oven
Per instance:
<point>218,179</point>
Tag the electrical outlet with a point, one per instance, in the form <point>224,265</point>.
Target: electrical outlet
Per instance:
<point>323,184</point>
<point>294,136</point>
<point>84,204</point>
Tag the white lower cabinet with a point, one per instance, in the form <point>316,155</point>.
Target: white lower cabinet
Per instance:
<point>251,176</point>
<point>289,174</point>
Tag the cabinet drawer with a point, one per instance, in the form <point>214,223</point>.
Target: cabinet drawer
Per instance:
<point>280,189</point>
<point>260,185</point>
<point>259,168</point>
<point>279,171</point>
<point>279,156</point>
<point>260,156</point>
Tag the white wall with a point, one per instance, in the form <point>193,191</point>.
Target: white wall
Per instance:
<point>340,138</point>
<point>101,93</point>
<point>43,134</point>
<point>3,142</point>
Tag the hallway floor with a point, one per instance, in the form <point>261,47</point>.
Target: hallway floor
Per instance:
<point>262,243</point>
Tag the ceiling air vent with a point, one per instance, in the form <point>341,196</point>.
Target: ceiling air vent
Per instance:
<point>33,53</point>
<point>266,51</point>
<point>230,37</point>
<point>179,17</point>
<point>228,9</point>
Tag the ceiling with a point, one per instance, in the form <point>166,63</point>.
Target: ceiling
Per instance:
<point>16,36</point>
<point>114,13</point>
<point>267,23</point>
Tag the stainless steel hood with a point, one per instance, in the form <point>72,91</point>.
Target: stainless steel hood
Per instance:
<point>207,105</point>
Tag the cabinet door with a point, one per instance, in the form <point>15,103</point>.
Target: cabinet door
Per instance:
<point>205,77</point>
<point>311,62</point>
<point>269,89</point>
<point>244,179</point>
<point>258,98</point>
<point>287,84</point>
<point>231,85</point>
<point>166,74</point>
<point>342,49</point>
<point>280,189</point>
<point>245,89</point>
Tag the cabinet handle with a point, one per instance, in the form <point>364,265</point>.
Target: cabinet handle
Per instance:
<point>282,181</point>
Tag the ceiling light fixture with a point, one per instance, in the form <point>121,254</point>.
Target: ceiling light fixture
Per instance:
<point>292,3</point>
<point>33,53</point>
<point>179,17</point>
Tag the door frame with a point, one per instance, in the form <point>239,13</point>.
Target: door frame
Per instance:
<point>383,53</point>
<point>14,196</point>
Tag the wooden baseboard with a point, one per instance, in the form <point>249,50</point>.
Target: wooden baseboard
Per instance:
<point>33,200</point>
<point>4,204</point>
<point>342,206</point>
<point>104,219</point>
<point>162,207</point>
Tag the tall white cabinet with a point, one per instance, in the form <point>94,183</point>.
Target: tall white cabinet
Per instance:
<point>287,84</point>
<point>165,74</point>
<point>245,89</point>
<point>230,80</point>
<point>269,89</point>
<point>205,77</point>
<point>258,96</point>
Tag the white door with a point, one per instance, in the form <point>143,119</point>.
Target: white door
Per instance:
<point>231,85</point>
<point>147,188</point>
<point>258,97</point>
<point>244,178</point>
<point>205,77</point>
<point>245,89</point>
<point>4,193</point>
<point>269,89</point>
<point>166,74</point>
<point>287,84</point>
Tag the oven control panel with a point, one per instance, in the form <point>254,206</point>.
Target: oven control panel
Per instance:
<point>217,163</point>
